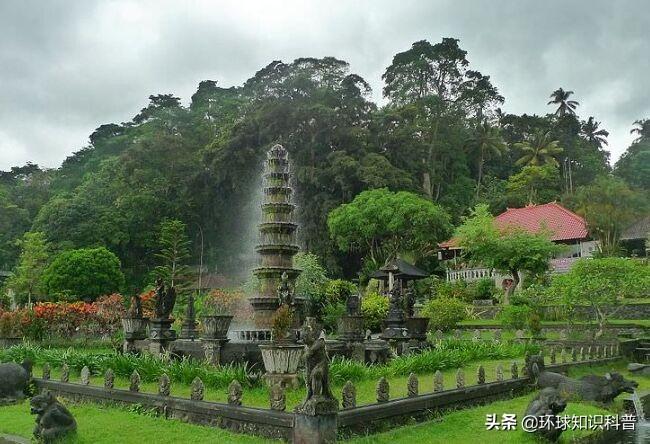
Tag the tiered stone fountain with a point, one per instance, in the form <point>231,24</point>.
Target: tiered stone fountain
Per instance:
<point>277,236</point>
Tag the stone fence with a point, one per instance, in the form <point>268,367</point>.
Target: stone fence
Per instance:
<point>276,423</point>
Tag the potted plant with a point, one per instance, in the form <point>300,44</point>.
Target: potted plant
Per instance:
<point>216,314</point>
<point>9,329</point>
<point>282,356</point>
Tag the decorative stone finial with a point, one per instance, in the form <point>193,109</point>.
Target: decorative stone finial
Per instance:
<point>85,375</point>
<point>514,370</point>
<point>198,390</point>
<point>109,379</point>
<point>349,395</point>
<point>499,373</point>
<point>65,373</point>
<point>477,335</point>
<point>164,385</point>
<point>460,378</point>
<point>497,335</point>
<point>235,393</point>
<point>134,381</point>
<point>438,382</point>
<point>480,375</point>
<point>439,336</point>
<point>46,371</point>
<point>277,398</point>
<point>413,385</point>
<point>383,390</point>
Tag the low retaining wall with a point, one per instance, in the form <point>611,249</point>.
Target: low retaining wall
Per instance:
<point>581,313</point>
<point>261,422</point>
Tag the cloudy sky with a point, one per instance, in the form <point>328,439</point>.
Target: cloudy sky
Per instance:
<point>67,67</point>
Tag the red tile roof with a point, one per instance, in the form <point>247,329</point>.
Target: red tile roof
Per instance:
<point>562,223</point>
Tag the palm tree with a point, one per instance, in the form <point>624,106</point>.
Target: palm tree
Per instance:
<point>488,142</point>
<point>539,150</point>
<point>560,97</point>
<point>643,129</point>
<point>593,134</point>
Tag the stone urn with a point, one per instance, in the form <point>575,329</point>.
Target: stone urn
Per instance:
<point>281,363</point>
<point>135,328</point>
<point>417,327</point>
<point>216,326</point>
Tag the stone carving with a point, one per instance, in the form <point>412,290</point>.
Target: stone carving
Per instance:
<point>353,305</point>
<point>439,335</point>
<point>564,334</point>
<point>497,336</point>
<point>604,355</point>
<point>546,406</point>
<point>285,292</point>
<point>85,375</point>
<point>458,334</point>
<point>499,373</point>
<point>277,398</point>
<point>588,388</point>
<point>135,310</point>
<point>319,396</point>
<point>134,382</point>
<point>53,420</point>
<point>582,354</point>
<point>480,375</point>
<point>574,354</point>
<point>46,371</point>
<point>514,370</point>
<point>235,393</point>
<point>409,299</point>
<point>109,379</point>
<point>165,300</point>
<point>349,395</point>
<point>14,379</point>
<point>519,334</point>
<point>477,335</point>
<point>383,390</point>
<point>553,355</point>
<point>438,382</point>
<point>460,378</point>
<point>164,385</point>
<point>197,391</point>
<point>413,385</point>
<point>65,373</point>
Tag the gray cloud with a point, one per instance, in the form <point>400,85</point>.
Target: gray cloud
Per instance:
<point>67,67</point>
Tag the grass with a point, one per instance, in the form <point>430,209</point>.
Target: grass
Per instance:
<point>100,424</point>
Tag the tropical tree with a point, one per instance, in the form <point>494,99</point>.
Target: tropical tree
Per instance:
<point>533,184</point>
<point>379,224</point>
<point>174,252</point>
<point>634,165</point>
<point>560,97</point>
<point>487,141</point>
<point>509,250</point>
<point>539,150</point>
<point>593,134</point>
<point>642,129</point>
<point>609,206</point>
<point>34,254</point>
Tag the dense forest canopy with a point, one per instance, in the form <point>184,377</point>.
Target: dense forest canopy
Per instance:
<point>441,135</point>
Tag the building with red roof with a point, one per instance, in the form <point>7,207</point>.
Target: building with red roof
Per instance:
<point>565,227</point>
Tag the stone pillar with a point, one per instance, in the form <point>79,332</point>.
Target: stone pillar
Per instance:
<point>161,335</point>
<point>212,349</point>
<point>314,429</point>
<point>188,329</point>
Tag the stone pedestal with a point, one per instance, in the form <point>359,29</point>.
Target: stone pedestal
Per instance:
<point>135,329</point>
<point>417,328</point>
<point>212,349</point>
<point>161,335</point>
<point>315,421</point>
<point>188,329</point>
<point>350,328</point>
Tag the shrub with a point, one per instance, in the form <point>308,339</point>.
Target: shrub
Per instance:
<point>83,274</point>
<point>219,302</point>
<point>281,323</point>
<point>337,290</point>
<point>9,324</point>
<point>515,316</point>
<point>484,288</point>
<point>331,315</point>
<point>374,308</point>
<point>311,283</point>
<point>444,312</point>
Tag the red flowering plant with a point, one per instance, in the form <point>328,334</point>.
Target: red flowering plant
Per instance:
<point>9,324</point>
<point>220,302</point>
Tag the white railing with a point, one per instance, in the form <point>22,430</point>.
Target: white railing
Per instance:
<point>469,274</point>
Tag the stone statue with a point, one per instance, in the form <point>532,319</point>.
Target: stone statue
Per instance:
<point>395,298</point>
<point>165,300</point>
<point>109,379</point>
<point>53,420</point>
<point>285,292</point>
<point>198,390</point>
<point>547,405</point>
<point>409,296</point>
<point>353,305</point>
<point>349,395</point>
<point>164,385</point>
<point>319,396</point>
<point>14,379</point>
<point>135,310</point>
<point>277,398</point>
<point>235,393</point>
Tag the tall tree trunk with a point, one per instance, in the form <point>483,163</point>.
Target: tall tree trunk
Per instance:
<point>510,291</point>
